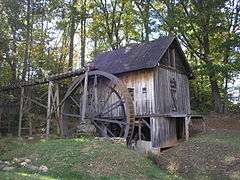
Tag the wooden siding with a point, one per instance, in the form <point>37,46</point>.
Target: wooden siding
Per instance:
<point>178,61</point>
<point>163,132</point>
<point>143,101</point>
<point>162,92</point>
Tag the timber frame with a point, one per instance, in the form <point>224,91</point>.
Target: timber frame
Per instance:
<point>85,81</point>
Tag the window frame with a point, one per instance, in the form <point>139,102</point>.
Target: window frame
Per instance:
<point>131,92</point>
<point>172,58</point>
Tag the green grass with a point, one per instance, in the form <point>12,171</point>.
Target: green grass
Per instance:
<point>81,158</point>
<point>208,156</point>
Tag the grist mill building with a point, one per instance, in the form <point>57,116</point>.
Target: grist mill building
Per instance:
<point>157,76</point>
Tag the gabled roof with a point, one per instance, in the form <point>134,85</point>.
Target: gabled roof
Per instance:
<point>136,56</point>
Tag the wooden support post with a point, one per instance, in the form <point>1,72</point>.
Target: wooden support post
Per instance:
<point>1,112</point>
<point>21,112</point>
<point>95,94</point>
<point>29,104</point>
<point>49,109</point>
<point>57,110</point>
<point>204,124</point>
<point>140,129</point>
<point>187,121</point>
<point>30,127</point>
<point>84,100</point>
<point>9,126</point>
<point>62,124</point>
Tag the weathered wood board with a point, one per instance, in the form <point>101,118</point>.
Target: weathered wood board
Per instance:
<point>163,132</point>
<point>162,92</point>
<point>142,84</point>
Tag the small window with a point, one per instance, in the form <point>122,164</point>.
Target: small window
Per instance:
<point>171,57</point>
<point>131,92</point>
<point>144,90</point>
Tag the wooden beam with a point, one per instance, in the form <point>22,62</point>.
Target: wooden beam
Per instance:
<point>84,100</point>
<point>107,99</point>
<point>110,121</point>
<point>75,101</point>
<point>187,121</point>
<point>100,128</point>
<point>146,123</point>
<point>30,127</point>
<point>109,131</point>
<point>21,112</point>
<point>29,103</point>
<point>53,78</point>
<point>49,109</point>
<point>140,129</point>
<point>36,102</point>
<point>95,94</point>
<point>72,115</point>
<point>112,107</point>
<point>1,112</point>
<point>57,110</point>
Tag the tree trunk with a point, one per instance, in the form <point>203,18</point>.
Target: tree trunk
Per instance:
<point>144,7</point>
<point>147,21</point>
<point>216,97</point>
<point>14,60</point>
<point>26,52</point>
<point>83,41</point>
<point>72,33</point>
<point>71,45</point>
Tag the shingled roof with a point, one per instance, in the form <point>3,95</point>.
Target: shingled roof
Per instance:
<point>134,57</point>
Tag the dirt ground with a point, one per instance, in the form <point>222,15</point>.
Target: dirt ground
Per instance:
<point>214,154</point>
<point>215,122</point>
<point>223,122</point>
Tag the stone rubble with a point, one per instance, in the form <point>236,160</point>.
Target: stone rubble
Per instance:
<point>43,168</point>
<point>115,140</point>
<point>6,166</point>
<point>24,162</point>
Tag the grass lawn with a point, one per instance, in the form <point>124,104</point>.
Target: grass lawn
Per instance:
<point>214,155</point>
<point>81,158</point>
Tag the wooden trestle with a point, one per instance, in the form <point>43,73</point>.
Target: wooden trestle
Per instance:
<point>93,95</point>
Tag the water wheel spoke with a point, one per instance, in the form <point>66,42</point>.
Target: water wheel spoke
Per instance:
<point>72,115</point>
<point>75,101</point>
<point>110,86</point>
<point>110,121</point>
<point>112,107</point>
<point>70,90</point>
<point>107,99</point>
<point>98,126</point>
<point>110,132</point>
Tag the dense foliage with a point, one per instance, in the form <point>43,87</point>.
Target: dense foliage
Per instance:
<point>38,37</point>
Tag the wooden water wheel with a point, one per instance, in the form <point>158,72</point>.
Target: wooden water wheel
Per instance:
<point>101,99</point>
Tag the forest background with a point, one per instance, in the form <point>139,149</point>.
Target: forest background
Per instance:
<point>43,37</point>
